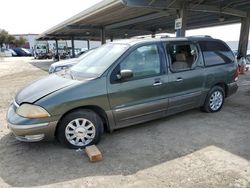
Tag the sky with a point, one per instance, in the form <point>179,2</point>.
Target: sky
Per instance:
<point>30,16</point>
<point>226,32</point>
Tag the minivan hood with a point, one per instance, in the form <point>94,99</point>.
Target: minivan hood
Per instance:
<point>42,87</point>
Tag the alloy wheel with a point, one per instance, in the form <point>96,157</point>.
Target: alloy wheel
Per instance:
<point>216,100</point>
<point>80,132</point>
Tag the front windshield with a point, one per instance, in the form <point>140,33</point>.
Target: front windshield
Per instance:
<point>96,62</point>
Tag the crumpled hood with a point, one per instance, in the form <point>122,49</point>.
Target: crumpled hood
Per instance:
<point>43,87</point>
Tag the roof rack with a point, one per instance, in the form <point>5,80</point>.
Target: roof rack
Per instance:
<point>201,36</point>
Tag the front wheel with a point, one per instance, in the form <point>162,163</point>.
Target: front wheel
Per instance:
<point>215,100</point>
<point>79,129</point>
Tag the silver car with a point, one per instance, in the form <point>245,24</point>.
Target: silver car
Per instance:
<point>66,64</point>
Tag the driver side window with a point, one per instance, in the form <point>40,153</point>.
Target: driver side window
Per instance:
<point>143,62</point>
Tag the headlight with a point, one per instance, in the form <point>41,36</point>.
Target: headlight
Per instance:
<point>61,68</point>
<point>32,111</point>
<point>51,69</point>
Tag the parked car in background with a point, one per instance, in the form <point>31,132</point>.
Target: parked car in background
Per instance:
<point>124,83</point>
<point>22,52</point>
<point>13,53</point>
<point>5,53</point>
<point>66,64</point>
<point>82,52</point>
<point>248,57</point>
<point>78,51</point>
<point>63,52</point>
<point>41,50</point>
<point>62,65</point>
<point>245,60</point>
<point>28,53</point>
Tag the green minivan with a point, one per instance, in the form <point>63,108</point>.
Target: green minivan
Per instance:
<point>123,83</point>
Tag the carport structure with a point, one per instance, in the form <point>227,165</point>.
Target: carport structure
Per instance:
<point>112,19</point>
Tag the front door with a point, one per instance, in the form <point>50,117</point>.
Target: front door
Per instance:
<point>142,97</point>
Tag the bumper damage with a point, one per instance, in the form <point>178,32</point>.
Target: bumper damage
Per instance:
<point>29,130</point>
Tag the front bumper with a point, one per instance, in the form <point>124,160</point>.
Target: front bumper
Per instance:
<point>232,88</point>
<point>29,130</point>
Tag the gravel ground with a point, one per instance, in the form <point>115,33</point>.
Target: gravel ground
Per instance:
<point>190,149</point>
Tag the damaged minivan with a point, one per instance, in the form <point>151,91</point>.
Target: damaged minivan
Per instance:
<point>123,83</point>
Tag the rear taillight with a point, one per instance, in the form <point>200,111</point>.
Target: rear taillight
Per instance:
<point>236,74</point>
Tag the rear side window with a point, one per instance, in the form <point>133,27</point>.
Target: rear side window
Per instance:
<point>216,53</point>
<point>183,56</point>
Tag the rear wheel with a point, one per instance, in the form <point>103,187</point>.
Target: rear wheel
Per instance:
<point>80,129</point>
<point>215,100</point>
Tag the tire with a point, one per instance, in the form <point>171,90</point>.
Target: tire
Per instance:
<point>214,100</point>
<point>83,125</point>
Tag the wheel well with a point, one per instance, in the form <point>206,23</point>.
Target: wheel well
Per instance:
<point>96,109</point>
<point>224,86</point>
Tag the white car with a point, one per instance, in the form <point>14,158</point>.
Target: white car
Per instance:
<point>5,53</point>
<point>66,64</point>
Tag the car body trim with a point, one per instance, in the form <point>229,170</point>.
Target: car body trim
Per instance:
<point>30,138</point>
<point>22,127</point>
<point>145,114</point>
<point>15,104</point>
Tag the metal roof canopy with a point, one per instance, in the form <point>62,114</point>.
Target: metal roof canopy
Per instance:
<point>127,18</point>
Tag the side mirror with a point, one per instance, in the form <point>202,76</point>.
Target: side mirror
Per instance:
<point>124,74</point>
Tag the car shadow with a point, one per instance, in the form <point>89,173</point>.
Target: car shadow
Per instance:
<point>125,151</point>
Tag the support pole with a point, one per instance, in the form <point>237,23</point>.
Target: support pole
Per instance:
<point>182,13</point>
<point>57,53</point>
<point>88,46</point>
<point>73,47</point>
<point>153,34</point>
<point>244,34</point>
<point>103,37</point>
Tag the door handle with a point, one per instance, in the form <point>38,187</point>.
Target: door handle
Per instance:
<point>158,83</point>
<point>178,79</point>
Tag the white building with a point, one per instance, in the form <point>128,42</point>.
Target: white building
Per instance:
<point>30,38</point>
<point>31,41</point>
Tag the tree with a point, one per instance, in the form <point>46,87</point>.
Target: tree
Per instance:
<point>7,39</point>
<point>19,42</point>
<point>11,40</point>
<point>3,37</point>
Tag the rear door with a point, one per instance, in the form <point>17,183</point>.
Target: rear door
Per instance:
<point>186,76</point>
<point>142,97</point>
<point>219,62</point>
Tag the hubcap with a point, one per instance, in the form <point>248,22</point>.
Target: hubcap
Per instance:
<point>80,132</point>
<point>216,100</point>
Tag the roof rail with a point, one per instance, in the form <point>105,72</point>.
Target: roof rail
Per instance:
<point>202,36</point>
